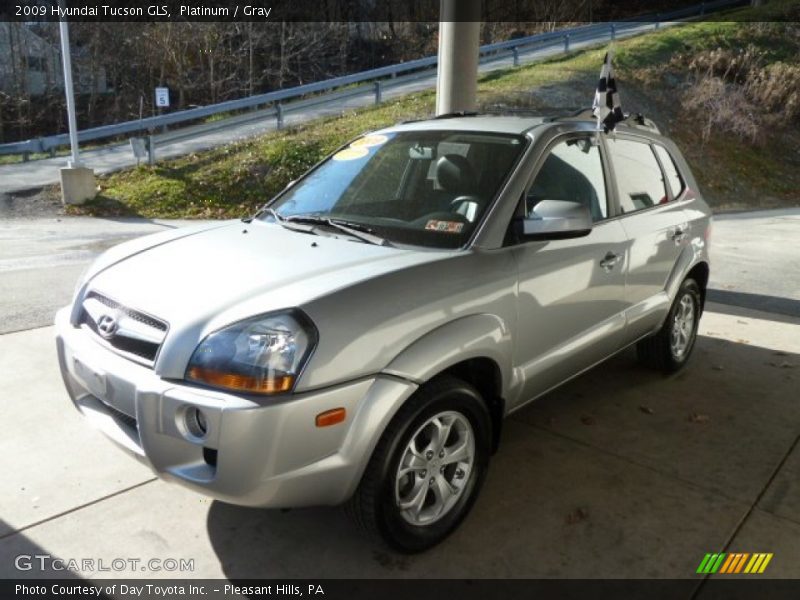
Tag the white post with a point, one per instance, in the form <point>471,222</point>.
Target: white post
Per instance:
<point>77,182</point>
<point>459,41</point>
<point>66,60</point>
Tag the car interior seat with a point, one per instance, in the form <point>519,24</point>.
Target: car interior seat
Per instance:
<point>456,176</point>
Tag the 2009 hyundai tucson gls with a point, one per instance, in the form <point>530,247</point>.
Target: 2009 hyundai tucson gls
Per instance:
<point>360,340</point>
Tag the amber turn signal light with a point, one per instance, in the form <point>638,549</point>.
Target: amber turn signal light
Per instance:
<point>331,417</point>
<point>241,383</point>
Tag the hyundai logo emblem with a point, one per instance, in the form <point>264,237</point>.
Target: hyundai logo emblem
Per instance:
<point>107,326</point>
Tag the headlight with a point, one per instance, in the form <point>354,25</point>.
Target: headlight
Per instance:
<point>262,355</point>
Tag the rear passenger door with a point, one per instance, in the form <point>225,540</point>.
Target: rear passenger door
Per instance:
<point>655,224</point>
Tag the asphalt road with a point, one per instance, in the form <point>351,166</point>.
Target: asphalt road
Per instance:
<point>41,260</point>
<point>34,174</point>
<point>756,260</point>
<point>755,256</point>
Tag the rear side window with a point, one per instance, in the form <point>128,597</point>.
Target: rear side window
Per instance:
<point>639,179</point>
<point>674,178</point>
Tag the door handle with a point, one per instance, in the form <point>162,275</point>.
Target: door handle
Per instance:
<point>609,260</point>
<point>679,235</point>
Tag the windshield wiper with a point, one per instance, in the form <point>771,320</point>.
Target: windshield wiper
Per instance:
<point>357,230</point>
<point>351,228</point>
<point>286,222</point>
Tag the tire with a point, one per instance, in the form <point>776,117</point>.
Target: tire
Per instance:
<point>669,349</point>
<point>375,505</point>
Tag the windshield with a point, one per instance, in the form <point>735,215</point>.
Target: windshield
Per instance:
<point>425,188</point>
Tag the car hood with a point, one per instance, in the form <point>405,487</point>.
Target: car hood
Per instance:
<point>200,282</point>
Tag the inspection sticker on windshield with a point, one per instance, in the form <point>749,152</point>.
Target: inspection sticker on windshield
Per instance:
<point>368,141</point>
<point>444,226</point>
<point>351,153</point>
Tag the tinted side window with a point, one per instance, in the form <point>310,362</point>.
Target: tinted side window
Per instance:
<point>674,178</point>
<point>573,171</point>
<point>639,179</point>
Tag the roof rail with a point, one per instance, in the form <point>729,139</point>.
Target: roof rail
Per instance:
<point>451,115</point>
<point>580,114</point>
<point>456,114</point>
<point>541,112</point>
<point>638,120</point>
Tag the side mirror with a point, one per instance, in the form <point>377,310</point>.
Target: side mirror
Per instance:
<point>557,220</point>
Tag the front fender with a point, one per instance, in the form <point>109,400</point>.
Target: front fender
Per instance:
<point>473,336</point>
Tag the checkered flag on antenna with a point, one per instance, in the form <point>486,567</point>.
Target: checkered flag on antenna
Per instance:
<point>606,107</point>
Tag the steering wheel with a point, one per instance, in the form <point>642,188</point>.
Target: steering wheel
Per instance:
<point>466,206</point>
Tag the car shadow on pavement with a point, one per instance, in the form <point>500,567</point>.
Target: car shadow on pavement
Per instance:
<point>22,558</point>
<point>623,472</point>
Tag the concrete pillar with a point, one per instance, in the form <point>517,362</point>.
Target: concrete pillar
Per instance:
<point>77,185</point>
<point>459,41</point>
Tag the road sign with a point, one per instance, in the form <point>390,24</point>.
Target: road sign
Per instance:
<point>162,97</point>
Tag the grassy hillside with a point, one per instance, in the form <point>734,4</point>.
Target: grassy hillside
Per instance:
<point>728,93</point>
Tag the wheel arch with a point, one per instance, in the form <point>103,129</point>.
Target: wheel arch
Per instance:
<point>700,272</point>
<point>483,374</point>
<point>690,263</point>
<point>476,349</point>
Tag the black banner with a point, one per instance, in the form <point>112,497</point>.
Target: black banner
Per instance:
<point>744,587</point>
<point>377,11</point>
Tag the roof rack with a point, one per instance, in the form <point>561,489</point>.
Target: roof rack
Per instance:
<point>642,122</point>
<point>450,115</point>
<point>638,120</point>
<point>542,112</point>
<point>458,113</point>
<point>580,114</point>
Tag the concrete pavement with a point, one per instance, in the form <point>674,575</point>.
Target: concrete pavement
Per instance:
<point>621,473</point>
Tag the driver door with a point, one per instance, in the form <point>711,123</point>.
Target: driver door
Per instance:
<point>571,292</point>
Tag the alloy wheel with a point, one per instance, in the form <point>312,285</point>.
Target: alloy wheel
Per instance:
<point>682,327</point>
<point>435,468</point>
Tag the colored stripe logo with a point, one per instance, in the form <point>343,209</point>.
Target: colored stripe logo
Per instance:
<point>734,562</point>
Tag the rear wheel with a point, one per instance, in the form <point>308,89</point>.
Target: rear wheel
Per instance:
<point>427,468</point>
<point>670,348</point>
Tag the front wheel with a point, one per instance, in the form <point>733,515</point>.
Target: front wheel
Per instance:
<point>427,468</point>
<point>670,348</point>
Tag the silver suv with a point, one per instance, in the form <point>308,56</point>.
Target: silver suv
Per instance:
<point>361,339</point>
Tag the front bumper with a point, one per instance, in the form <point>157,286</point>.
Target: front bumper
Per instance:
<point>267,453</point>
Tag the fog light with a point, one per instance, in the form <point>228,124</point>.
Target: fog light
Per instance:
<point>196,423</point>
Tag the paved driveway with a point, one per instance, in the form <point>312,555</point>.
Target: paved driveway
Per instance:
<point>621,473</point>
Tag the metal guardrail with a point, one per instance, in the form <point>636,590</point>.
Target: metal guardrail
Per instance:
<point>328,89</point>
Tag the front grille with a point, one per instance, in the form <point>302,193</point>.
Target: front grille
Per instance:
<point>133,314</point>
<point>132,333</point>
